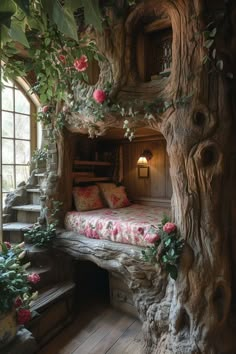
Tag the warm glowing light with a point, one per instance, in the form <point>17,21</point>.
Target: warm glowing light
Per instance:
<point>142,160</point>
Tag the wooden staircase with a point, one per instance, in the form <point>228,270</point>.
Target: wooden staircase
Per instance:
<point>53,308</point>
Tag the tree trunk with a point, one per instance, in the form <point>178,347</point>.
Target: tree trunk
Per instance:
<point>194,314</point>
<point>199,143</point>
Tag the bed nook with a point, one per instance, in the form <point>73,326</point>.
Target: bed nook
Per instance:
<point>139,130</point>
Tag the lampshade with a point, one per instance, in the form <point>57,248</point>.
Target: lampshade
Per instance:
<point>142,160</point>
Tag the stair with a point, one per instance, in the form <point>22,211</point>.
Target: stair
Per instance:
<point>54,308</point>
<point>28,213</point>
<point>34,195</point>
<point>14,231</point>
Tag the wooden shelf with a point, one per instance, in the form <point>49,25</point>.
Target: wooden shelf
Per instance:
<point>89,179</point>
<point>92,163</point>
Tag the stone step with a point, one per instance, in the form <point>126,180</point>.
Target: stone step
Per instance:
<point>14,231</point>
<point>54,307</point>
<point>28,207</point>
<point>28,213</point>
<point>34,195</point>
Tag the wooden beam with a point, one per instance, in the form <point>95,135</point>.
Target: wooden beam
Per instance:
<point>157,25</point>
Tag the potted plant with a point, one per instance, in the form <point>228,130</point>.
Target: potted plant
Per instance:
<point>16,293</point>
<point>39,158</point>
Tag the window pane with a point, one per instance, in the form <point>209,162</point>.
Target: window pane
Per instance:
<point>22,105</point>
<point>7,151</point>
<point>7,124</point>
<point>22,152</point>
<point>22,174</point>
<point>7,178</point>
<point>22,126</point>
<point>7,83</point>
<point>7,99</point>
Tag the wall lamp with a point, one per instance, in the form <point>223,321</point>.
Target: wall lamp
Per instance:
<point>142,163</point>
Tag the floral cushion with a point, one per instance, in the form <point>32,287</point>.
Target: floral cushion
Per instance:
<point>87,198</point>
<point>116,197</point>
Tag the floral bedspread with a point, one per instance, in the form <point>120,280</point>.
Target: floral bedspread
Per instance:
<point>135,224</point>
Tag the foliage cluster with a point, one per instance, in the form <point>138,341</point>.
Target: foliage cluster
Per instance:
<point>42,235</point>
<point>15,282</point>
<point>167,248</point>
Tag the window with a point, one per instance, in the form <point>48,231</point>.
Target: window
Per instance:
<point>18,136</point>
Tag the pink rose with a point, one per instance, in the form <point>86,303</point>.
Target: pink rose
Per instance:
<point>169,227</point>
<point>33,278</point>
<point>45,109</point>
<point>141,230</point>
<point>23,316</point>
<point>99,96</point>
<point>81,64</point>
<point>62,58</point>
<point>18,302</point>
<point>152,238</point>
<point>7,244</point>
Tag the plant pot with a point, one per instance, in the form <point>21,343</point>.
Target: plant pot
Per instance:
<point>8,328</point>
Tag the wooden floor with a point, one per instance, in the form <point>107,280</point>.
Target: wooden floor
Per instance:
<point>98,329</point>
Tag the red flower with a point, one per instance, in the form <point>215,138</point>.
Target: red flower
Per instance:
<point>18,302</point>
<point>7,244</point>
<point>169,227</point>
<point>45,109</point>
<point>152,238</point>
<point>81,64</point>
<point>62,58</point>
<point>23,316</point>
<point>33,278</point>
<point>99,96</point>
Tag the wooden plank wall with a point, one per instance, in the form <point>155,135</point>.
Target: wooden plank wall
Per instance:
<point>158,184</point>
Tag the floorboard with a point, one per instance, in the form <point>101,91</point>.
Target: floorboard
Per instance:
<point>98,329</point>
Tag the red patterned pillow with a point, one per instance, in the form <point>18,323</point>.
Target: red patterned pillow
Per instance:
<point>117,198</point>
<point>87,198</point>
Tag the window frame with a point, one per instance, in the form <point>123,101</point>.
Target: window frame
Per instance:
<point>23,87</point>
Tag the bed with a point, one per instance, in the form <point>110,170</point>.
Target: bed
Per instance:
<point>135,224</point>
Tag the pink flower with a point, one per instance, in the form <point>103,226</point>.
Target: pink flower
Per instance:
<point>62,58</point>
<point>7,244</point>
<point>33,278</point>
<point>152,238</point>
<point>99,96</point>
<point>81,64</point>
<point>141,230</point>
<point>45,109</point>
<point>18,302</point>
<point>23,316</point>
<point>169,227</point>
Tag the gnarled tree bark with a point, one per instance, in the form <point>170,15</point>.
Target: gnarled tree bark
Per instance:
<point>195,314</point>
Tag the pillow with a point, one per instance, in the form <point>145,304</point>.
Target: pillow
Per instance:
<point>103,186</point>
<point>117,198</point>
<point>87,198</point>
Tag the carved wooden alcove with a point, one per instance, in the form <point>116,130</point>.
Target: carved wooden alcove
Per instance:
<point>195,314</point>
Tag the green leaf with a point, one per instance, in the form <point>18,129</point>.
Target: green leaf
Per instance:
<point>63,18</point>
<point>24,5</point>
<point>18,35</point>
<point>208,43</point>
<point>172,270</point>
<point>92,13</point>
<point>73,5</point>
<point>220,64</point>
<point>7,9</point>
